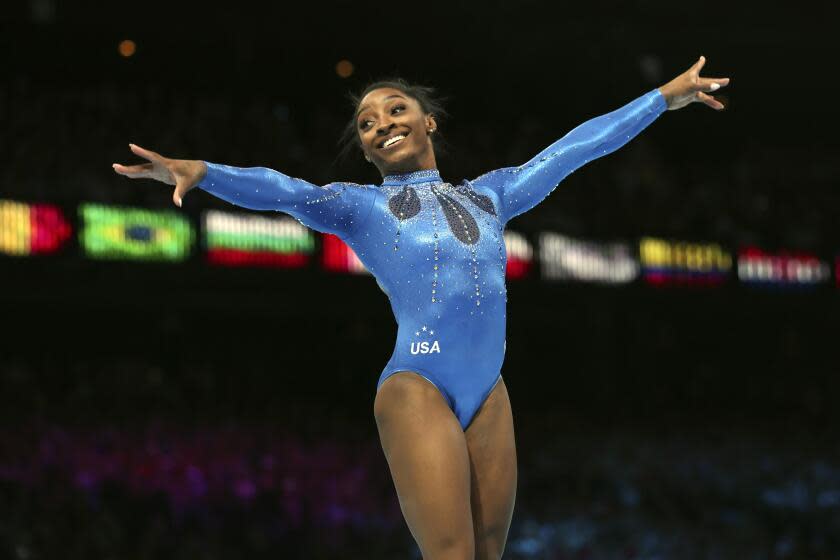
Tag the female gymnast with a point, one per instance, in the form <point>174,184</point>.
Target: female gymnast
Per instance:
<point>437,250</point>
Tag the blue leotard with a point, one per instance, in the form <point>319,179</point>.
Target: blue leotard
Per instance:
<point>435,249</point>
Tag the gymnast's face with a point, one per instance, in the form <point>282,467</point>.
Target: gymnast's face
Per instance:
<point>395,132</point>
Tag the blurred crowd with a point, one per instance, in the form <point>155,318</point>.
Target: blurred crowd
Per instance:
<point>328,482</point>
<point>60,141</point>
<point>161,485</point>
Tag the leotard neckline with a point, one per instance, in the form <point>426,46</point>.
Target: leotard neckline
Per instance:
<point>413,178</point>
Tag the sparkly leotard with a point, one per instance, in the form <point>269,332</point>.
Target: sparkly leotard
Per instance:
<point>435,249</point>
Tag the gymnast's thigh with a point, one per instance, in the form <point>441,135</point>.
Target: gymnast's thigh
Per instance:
<point>492,449</point>
<point>427,454</point>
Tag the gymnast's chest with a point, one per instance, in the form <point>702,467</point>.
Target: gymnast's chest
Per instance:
<point>434,222</point>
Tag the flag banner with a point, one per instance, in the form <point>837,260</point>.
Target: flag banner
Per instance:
<point>239,239</point>
<point>679,262</point>
<point>785,268</point>
<point>110,232</point>
<point>566,258</point>
<point>520,255</point>
<point>31,229</point>
<point>337,256</point>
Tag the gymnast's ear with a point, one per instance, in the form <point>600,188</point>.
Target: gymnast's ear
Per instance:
<point>431,124</point>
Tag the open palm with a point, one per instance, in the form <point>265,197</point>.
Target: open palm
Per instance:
<point>184,174</point>
<point>689,87</point>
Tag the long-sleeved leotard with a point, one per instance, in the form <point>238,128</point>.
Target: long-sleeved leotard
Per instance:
<point>435,249</point>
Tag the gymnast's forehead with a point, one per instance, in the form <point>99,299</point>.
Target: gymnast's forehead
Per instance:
<point>381,95</point>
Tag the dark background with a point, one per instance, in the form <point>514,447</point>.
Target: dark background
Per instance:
<point>651,423</point>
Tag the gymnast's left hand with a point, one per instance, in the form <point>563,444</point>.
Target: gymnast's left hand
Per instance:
<point>689,87</point>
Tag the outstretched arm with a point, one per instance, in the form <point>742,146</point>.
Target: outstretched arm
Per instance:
<point>337,208</point>
<point>521,188</point>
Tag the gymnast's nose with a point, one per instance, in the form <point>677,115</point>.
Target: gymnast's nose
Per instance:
<point>384,128</point>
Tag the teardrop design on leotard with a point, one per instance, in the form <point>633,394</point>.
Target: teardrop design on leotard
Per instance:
<point>405,204</point>
<point>461,223</point>
<point>483,202</point>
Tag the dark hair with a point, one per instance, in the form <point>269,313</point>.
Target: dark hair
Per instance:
<point>430,102</point>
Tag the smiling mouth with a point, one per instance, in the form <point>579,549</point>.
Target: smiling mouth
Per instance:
<point>394,140</point>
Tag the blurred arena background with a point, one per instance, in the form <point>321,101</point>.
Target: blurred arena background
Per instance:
<point>198,382</point>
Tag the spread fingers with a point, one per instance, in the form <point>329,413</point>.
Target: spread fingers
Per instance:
<point>709,100</point>
<point>147,154</point>
<point>712,84</point>
<point>134,171</point>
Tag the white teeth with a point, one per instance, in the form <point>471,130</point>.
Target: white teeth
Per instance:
<point>392,140</point>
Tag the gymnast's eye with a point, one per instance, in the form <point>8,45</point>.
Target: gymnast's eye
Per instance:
<point>401,107</point>
<point>364,124</point>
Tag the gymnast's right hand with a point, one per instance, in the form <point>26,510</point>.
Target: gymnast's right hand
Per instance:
<point>183,173</point>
